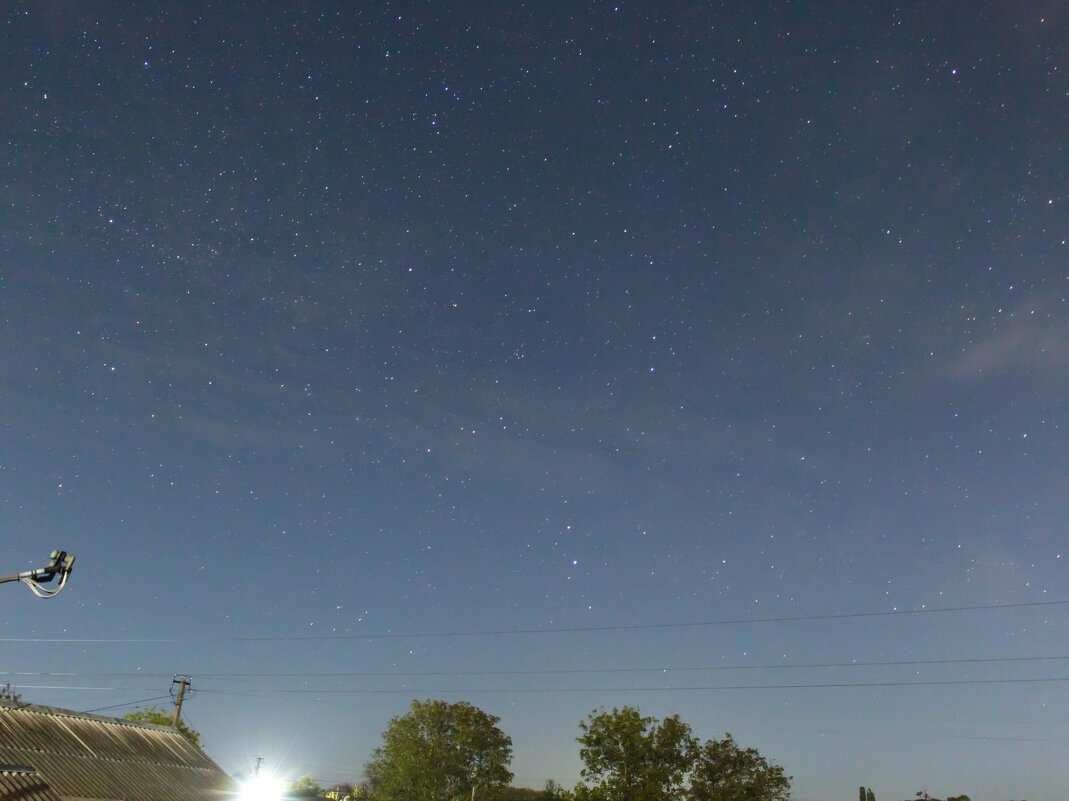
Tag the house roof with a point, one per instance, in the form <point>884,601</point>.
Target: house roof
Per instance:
<point>25,785</point>
<point>49,754</point>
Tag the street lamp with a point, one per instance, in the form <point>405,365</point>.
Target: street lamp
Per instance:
<point>263,787</point>
<point>59,563</point>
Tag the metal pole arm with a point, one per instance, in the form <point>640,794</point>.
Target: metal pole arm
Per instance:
<point>59,562</point>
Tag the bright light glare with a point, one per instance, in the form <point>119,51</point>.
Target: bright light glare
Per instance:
<point>263,788</point>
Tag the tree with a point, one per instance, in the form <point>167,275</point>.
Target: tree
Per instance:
<point>725,772</point>
<point>343,790</point>
<point>7,694</point>
<point>162,717</point>
<point>440,752</point>
<point>305,787</point>
<point>552,791</point>
<point>635,758</point>
<point>521,794</point>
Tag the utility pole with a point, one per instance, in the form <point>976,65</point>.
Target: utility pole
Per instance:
<point>183,682</point>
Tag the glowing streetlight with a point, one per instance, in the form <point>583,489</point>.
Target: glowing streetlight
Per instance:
<point>263,787</point>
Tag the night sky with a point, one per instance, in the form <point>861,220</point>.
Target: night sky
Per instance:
<point>706,357</point>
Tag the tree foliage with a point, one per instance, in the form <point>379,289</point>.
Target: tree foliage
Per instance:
<point>162,717</point>
<point>551,791</point>
<point>7,694</point>
<point>521,794</point>
<point>636,758</point>
<point>305,787</point>
<point>725,772</point>
<point>344,790</point>
<point>440,752</point>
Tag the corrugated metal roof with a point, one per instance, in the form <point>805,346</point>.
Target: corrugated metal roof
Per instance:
<point>83,756</point>
<point>25,786</point>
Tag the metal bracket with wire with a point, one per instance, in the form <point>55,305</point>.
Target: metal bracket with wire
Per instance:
<point>60,564</point>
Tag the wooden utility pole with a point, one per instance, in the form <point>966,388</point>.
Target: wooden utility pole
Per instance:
<point>183,682</point>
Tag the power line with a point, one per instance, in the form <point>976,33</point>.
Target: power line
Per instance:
<point>529,631</point>
<point>700,688</point>
<point>530,690</point>
<point>687,669</point>
<point>561,671</point>
<point>129,703</point>
<point>63,687</point>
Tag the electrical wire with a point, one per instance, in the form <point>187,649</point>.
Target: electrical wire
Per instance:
<point>67,687</point>
<point>700,688</point>
<point>44,592</point>
<point>529,631</point>
<point>555,671</point>
<point>687,669</point>
<point>129,703</point>
<point>570,690</point>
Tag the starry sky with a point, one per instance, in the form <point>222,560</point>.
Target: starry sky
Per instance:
<point>706,357</point>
